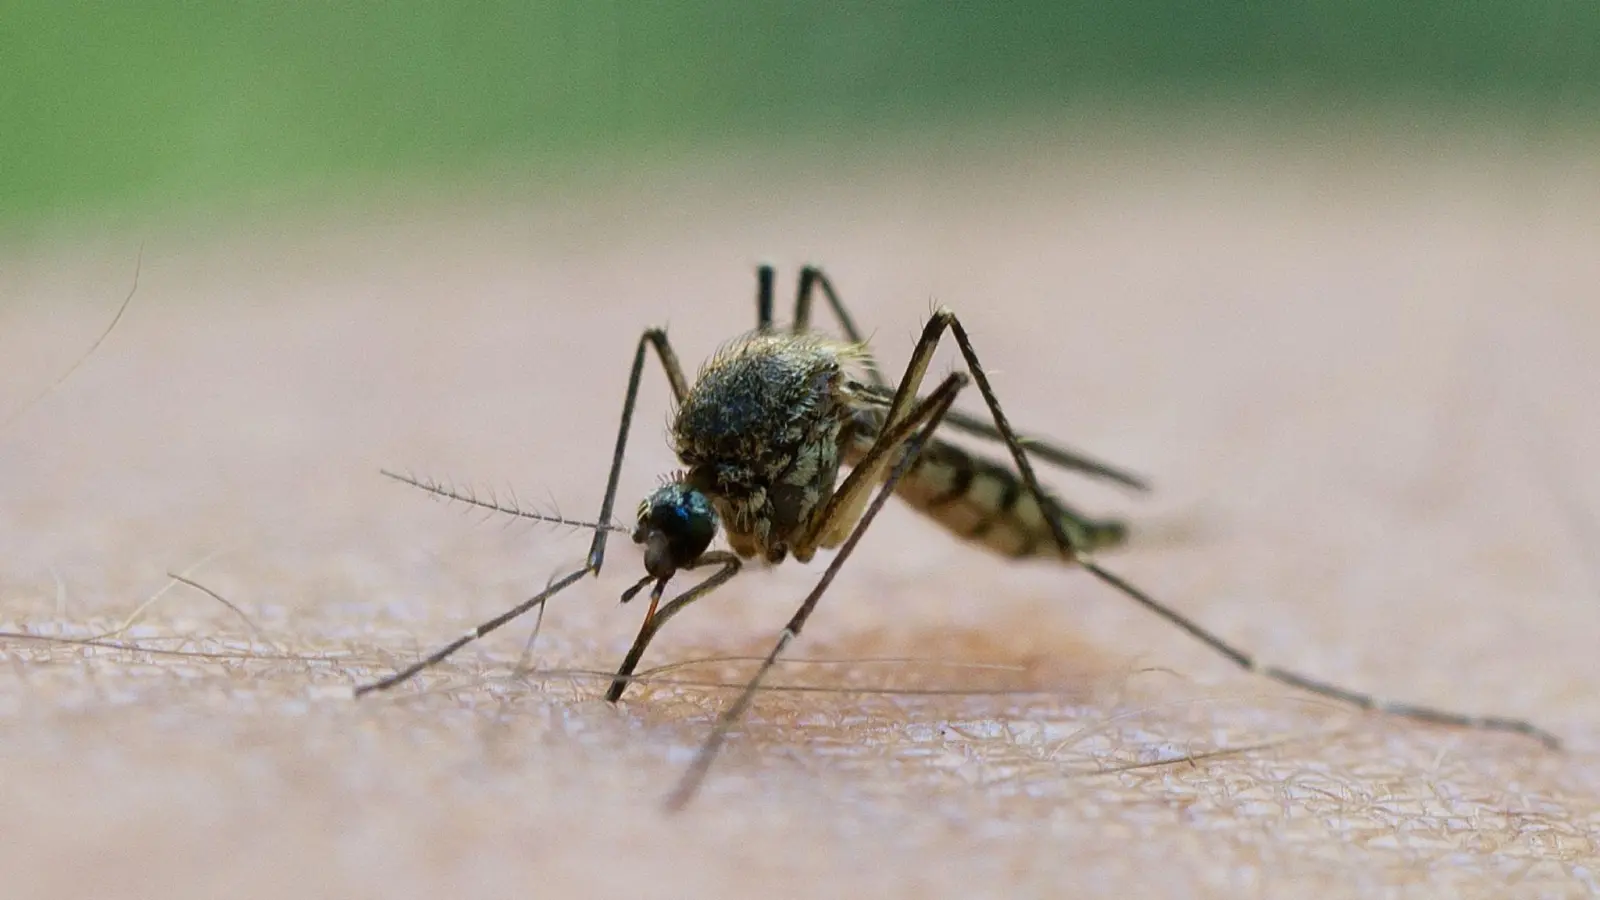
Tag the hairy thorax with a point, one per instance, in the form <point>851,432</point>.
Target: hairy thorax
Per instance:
<point>761,433</point>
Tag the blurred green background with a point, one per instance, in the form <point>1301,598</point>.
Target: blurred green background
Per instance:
<point>113,110</point>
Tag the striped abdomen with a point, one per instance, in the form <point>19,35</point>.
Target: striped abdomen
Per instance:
<point>984,501</point>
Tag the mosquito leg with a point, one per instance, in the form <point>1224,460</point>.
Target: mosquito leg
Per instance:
<point>440,655</point>
<point>908,438</point>
<point>652,624</point>
<point>1039,448</point>
<point>837,517</point>
<point>653,337</point>
<point>1050,452</point>
<point>944,319</point>
<point>812,278</point>
<point>764,278</point>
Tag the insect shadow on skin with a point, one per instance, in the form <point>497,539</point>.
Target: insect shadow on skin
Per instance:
<point>763,433</point>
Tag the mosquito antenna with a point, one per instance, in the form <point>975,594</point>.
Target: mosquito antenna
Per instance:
<point>495,505</point>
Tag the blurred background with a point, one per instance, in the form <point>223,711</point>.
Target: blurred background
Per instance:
<point>117,112</point>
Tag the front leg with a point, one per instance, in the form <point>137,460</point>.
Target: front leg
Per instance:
<point>656,618</point>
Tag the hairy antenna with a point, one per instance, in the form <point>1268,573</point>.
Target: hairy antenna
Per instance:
<point>495,505</point>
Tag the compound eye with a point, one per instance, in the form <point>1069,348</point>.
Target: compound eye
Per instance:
<point>676,523</point>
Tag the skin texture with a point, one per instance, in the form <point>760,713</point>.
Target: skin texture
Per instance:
<point>1361,381</point>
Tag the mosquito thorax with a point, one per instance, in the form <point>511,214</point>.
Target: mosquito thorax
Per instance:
<point>676,525</point>
<point>760,432</point>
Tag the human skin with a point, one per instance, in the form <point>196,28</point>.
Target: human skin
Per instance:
<point>1361,383</point>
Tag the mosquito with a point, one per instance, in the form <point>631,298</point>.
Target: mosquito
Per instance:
<point>763,432</point>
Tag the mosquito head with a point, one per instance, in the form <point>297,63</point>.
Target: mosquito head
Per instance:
<point>676,525</point>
